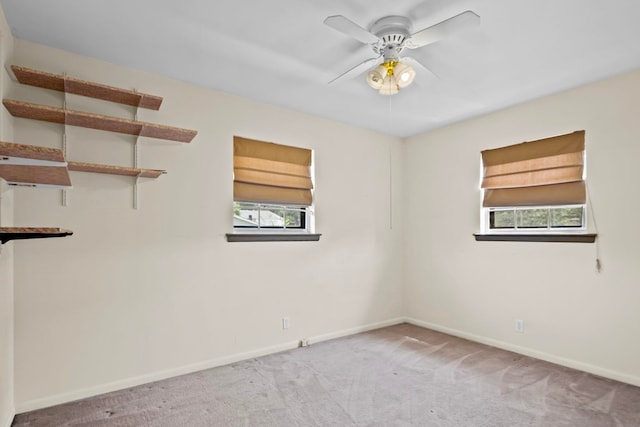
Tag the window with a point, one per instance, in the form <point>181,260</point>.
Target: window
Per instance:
<point>272,189</point>
<point>262,216</point>
<point>535,187</point>
<point>548,218</point>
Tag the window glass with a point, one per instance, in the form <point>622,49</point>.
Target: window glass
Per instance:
<point>551,218</point>
<point>267,216</point>
<point>502,219</point>
<point>566,217</point>
<point>532,218</point>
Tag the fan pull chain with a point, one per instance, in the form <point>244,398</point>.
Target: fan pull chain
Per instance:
<point>390,174</point>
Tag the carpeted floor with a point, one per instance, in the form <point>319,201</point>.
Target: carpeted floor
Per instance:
<point>397,376</point>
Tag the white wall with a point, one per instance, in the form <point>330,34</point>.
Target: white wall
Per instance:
<point>136,295</point>
<point>475,289</point>
<point>6,250</point>
<point>6,310</point>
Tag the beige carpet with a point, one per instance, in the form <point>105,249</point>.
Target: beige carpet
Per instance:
<point>397,376</point>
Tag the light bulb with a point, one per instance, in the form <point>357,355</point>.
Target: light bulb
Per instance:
<point>376,76</point>
<point>405,74</point>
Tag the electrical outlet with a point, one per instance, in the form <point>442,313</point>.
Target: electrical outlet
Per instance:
<point>519,326</point>
<point>285,323</point>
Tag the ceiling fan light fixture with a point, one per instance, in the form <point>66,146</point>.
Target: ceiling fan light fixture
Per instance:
<point>390,76</point>
<point>404,74</point>
<point>389,85</point>
<point>375,77</point>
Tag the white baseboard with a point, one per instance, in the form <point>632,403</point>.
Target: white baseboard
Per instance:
<point>11,416</point>
<point>32,405</point>
<point>356,330</point>
<point>45,402</point>
<point>570,363</point>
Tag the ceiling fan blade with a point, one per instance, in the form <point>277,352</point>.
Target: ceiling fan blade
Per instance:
<point>358,69</point>
<point>443,29</point>
<point>350,28</point>
<point>418,65</point>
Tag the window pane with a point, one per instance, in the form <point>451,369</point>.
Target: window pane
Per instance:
<point>245,215</point>
<point>293,218</point>
<point>566,217</point>
<point>547,219</point>
<point>502,219</point>
<point>532,218</point>
<point>263,216</point>
<point>271,216</point>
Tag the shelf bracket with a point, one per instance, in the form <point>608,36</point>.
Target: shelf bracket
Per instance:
<point>135,112</point>
<point>63,192</point>
<point>135,191</point>
<point>135,165</point>
<point>9,70</point>
<point>135,156</point>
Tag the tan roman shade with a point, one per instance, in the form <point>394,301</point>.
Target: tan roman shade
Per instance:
<point>544,172</point>
<point>264,172</point>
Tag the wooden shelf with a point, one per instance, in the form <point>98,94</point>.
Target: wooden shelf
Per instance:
<point>19,154</point>
<point>43,167</point>
<point>36,176</point>
<point>21,233</point>
<point>115,170</point>
<point>75,86</point>
<point>96,121</point>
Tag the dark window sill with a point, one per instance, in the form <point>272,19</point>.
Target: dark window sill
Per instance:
<point>572,238</point>
<point>272,237</point>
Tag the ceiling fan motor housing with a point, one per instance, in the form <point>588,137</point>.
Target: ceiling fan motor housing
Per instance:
<point>392,31</point>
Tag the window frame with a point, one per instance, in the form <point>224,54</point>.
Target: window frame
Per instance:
<point>555,235</point>
<point>487,229</point>
<point>277,234</point>
<point>306,213</point>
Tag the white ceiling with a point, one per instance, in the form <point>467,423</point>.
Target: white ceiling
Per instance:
<point>281,53</point>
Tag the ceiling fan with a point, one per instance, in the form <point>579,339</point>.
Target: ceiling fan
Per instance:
<point>388,37</point>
